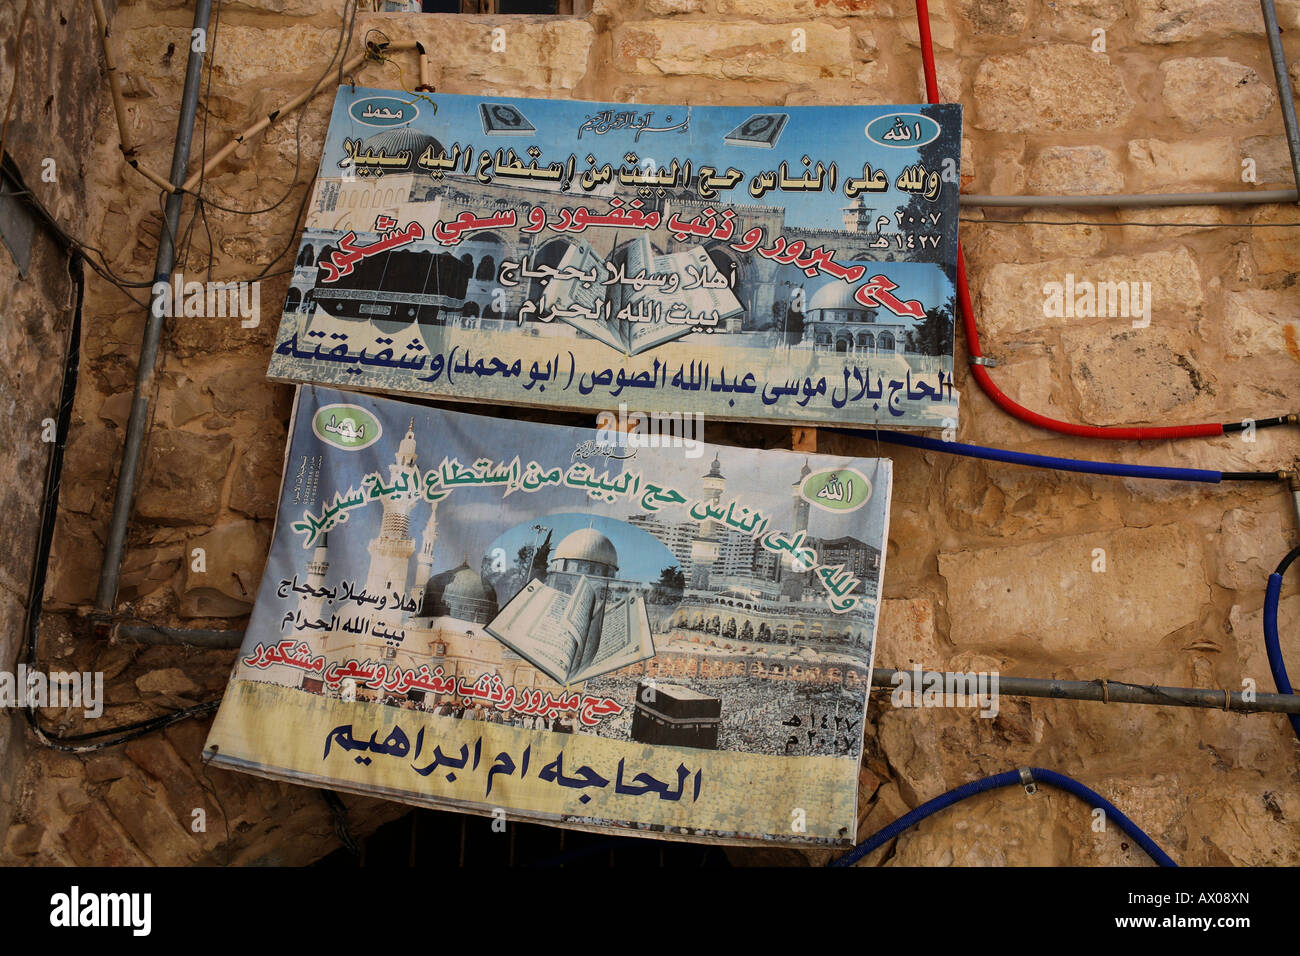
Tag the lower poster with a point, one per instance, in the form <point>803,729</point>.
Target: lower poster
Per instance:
<point>615,628</point>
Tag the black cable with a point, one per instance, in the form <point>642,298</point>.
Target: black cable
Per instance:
<point>63,237</point>
<point>340,814</point>
<point>1261,423</point>
<point>1287,561</point>
<point>49,511</point>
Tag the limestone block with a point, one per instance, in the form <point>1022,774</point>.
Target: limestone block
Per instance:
<point>1275,250</point>
<point>1012,296</point>
<point>151,824</point>
<point>1048,89</point>
<point>543,56</point>
<point>1272,160</point>
<point>1044,596</point>
<point>92,840</point>
<point>1249,824</point>
<point>906,635</point>
<point>666,8</point>
<point>725,50</point>
<point>1172,21</point>
<point>1248,631</point>
<point>1076,239</point>
<point>1214,91</point>
<point>799,9</point>
<point>182,477</point>
<point>1250,544</point>
<point>1135,375</point>
<point>1004,828</point>
<point>233,556</point>
<point>1075,170</point>
<point>1170,219</point>
<point>1180,166</point>
<point>1076,19</point>
<point>1260,322</point>
<point>255,486</point>
<point>993,17</point>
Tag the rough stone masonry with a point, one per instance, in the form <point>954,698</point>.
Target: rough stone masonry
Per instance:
<point>989,567</point>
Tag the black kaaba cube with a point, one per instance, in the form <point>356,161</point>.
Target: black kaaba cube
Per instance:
<point>677,716</point>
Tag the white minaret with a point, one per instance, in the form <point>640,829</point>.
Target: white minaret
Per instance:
<point>313,606</point>
<point>794,579</point>
<point>705,546</point>
<point>424,563</point>
<point>857,216</point>
<point>391,550</point>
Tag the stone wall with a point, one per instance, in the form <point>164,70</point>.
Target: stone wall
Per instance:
<point>989,566</point>
<point>49,136</point>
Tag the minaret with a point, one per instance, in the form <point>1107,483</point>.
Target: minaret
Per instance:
<point>704,548</point>
<point>857,216</point>
<point>541,556</point>
<point>391,550</point>
<point>424,563</point>
<point>792,581</point>
<point>312,606</point>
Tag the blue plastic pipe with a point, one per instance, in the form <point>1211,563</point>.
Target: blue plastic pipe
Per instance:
<point>1275,663</point>
<point>1012,777</point>
<point>1113,469</point>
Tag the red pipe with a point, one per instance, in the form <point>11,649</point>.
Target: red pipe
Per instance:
<point>1000,398</point>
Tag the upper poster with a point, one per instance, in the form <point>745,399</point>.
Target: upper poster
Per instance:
<point>548,624</point>
<point>791,264</point>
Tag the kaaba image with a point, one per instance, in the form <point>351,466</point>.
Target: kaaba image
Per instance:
<point>677,716</point>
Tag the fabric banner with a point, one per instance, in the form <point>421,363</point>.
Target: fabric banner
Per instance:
<point>791,264</point>
<point>598,628</point>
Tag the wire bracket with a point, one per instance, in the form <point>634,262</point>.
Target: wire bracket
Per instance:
<point>984,360</point>
<point>1027,778</point>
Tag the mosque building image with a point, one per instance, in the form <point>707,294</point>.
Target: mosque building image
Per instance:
<point>717,628</point>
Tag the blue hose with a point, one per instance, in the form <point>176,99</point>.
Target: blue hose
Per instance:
<point>1113,469</point>
<point>1272,595</point>
<point>1008,779</point>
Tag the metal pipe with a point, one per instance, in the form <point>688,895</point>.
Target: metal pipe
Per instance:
<point>114,81</point>
<point>1283,79</point>
<point>145,370</point>
<point>1137,200</point>
<point>1116,692</point>
<point>137,634</point>
<point>219,156</point>
<point>1293,483</point>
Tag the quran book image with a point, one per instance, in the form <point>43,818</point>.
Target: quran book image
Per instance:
<point>789,265</point>
<point>671,640</point>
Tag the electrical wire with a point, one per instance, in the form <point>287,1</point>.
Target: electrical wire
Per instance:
<point>967,308</point>
<point>102,739</point>
<point>66,239</point>
<point>1027,776</point>
<point>1111,469</point>
<point>74,743</point>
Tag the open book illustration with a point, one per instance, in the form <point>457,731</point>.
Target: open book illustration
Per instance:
<point>651,300</point>
<point>575,637</point>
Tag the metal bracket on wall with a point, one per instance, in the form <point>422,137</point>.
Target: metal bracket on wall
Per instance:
<point>17,224</point>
